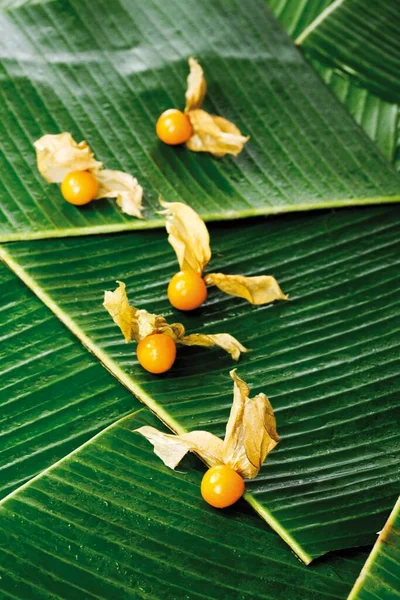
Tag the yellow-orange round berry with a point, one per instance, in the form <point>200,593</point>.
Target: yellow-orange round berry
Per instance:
<point>187,290</point>
<point>221,486</point>
<point>79,187</point>
<point>173,127</point>
<point>156,353</point>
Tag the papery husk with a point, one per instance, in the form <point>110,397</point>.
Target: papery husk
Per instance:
<point>136,324</point>
<point>260,289</point>
<point>57,155</point>
<point>172,448</point>
<point>196,86</point>
<point>250,436</point>
<point>116,303</point>
<point>188,235</point>
<point>214,134</point>
<point>223,340</point>
<point>250,432</point>
<point>211,133</point>
<point>124,188</point>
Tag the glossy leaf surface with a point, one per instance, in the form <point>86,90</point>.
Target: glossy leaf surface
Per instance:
<point>53,394</point>
<point>377,117</point>
<point>361,39</point>
<point>105,71</point>
<point>380,576</point>
<point>111,521</point>
<point>327,359</point>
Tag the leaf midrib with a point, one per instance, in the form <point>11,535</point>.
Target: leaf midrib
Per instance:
<point>137,390</point>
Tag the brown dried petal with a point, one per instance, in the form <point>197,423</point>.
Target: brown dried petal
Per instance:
<point>250,432</point>
<point>214,134</point>
<point>188,235</point>
<point>196,86</point>
<point>223,340</point>
<point>135,324</point>
<point>57,155</point>
<point>172,448</point>
<point>257,290</point>
<point>116,303</point>
<point>124,188</point>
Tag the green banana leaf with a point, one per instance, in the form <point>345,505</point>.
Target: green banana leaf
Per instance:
<point>111,521</point>
<point>362,39</point>
<point>105,70</point>
<point>296,16</point>
<point>378,118</point>
<point>53,394</point>
<point>380,576</point>
<point>328,358</point>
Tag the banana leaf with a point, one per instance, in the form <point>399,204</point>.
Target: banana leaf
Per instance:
<point>378,118</point>
<point>295,17</point>
<point>105,71</point>
<point>380,576</point>
<point>328,359</point>
<point>53,395</point>
<point>362,39</point>
<point>111,521</point>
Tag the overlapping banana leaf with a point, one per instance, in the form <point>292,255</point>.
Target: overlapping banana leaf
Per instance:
<point>53,394</point>
<point>362,39</point>
<point>111,521</point>
<point>296,16</point>
<point>59,530</point>
<point>378,118</point>
<point>104,71</point>
<point>328,358</point>
<point>380,576</point>
<point>100,523</point>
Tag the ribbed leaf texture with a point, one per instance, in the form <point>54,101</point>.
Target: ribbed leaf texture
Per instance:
<point>111,521</point>
<point>53,394</point>
<point>380,576</point>
<point>377,117</point>
<point>296,16</point>
<point>360,38</point>
<point>105,71</point>
<point>328,358</point>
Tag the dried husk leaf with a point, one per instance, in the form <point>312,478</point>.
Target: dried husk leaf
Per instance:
<point>250,436</point>
<point>172,448</point>
<point>261,289</point>
<point>214,134</point>
<point>116,303</point>
<point>188,235</point>
<point>196,86</point>
<point>250,432</point>
<point>124,188</point>
<point>57,155</point>
<point>223,340</point>
<point>136,324</point>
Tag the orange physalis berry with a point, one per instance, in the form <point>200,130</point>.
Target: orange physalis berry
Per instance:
<point>173,127</point>
<point>79,187</point>
<point>156,353</point>
<point>187,290</point>
<point>221,486</point>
